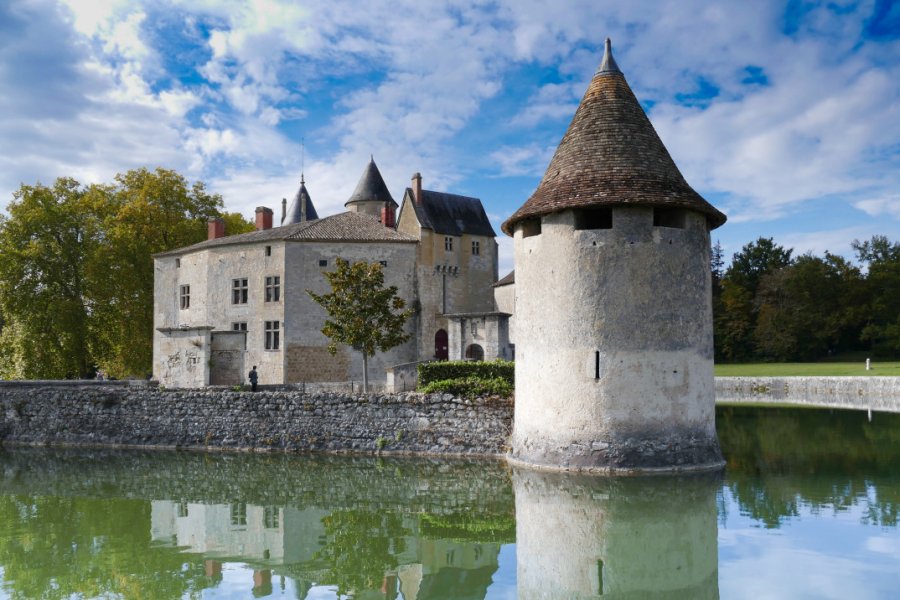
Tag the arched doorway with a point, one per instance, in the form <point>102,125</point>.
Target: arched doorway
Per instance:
<point>474,352</point>
<point>441,345</point>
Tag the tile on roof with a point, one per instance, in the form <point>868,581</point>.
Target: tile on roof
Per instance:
<point>346,227</point>
<point>508,280</point>
<point>451,214</point>
<point>350,227</point>
<point>611,155</point>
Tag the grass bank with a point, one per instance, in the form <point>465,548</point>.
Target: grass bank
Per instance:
<point>818,369</point>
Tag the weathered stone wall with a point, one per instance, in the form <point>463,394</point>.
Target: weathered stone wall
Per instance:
<point>96,414</point>
<point>863,393</point>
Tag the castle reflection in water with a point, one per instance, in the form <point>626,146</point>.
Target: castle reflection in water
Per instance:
<point>269,537</point>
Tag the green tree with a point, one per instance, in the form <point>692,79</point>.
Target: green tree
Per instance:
<point>150,212</point>
<point>76,270</point>
<point>361,311</point>
<point>882,329</point>
<point>45,243</point>
<point>736,313</point>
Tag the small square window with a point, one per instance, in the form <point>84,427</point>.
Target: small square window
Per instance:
<point>273,335</point>
<point>268,250</point>
<point>448,243</point>
<point>383,263</point>
<point>476,248</point>
<point>323,262</point>
<point>239,291</point>
<point>273,288</point>
<point>242,326</point>
<point>185,296</point>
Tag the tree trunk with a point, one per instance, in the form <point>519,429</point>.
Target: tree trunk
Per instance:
<point>365,373</point>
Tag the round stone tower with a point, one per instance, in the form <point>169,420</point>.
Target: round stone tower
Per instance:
<point>614,348</point>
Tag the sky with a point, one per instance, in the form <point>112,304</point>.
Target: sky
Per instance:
<point>783,114</point>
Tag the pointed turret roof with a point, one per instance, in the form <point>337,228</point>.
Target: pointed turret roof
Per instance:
<point>611,155</point>
<point>371,187</point>
<point>294,212</point>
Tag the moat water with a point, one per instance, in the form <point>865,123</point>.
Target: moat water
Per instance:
<point>807,507</point>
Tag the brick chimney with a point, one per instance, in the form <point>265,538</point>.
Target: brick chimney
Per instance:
<point>387,215</point>
<point>263,218</point>
<point>215,229</point>
<point>417,187</point>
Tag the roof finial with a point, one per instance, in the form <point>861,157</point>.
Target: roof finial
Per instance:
<point>608,64</point>
<point>302,158</point>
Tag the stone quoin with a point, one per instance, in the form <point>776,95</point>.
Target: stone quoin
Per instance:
<point>614,341</point>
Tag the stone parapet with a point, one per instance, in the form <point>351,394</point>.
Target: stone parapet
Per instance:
<point>296,421</point>
<point>858,393</point>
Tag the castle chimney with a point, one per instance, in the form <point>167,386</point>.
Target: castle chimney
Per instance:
<point>283,209</point>
<point>417,187</point>
<point>263,218</point>
<point>215,229</point>
<point>387,215</point>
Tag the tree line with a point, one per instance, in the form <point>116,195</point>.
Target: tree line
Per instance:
<point>771,306</point>
<point>76,272</point>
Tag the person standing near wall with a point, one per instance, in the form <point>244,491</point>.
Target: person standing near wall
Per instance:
<point>253,377</point>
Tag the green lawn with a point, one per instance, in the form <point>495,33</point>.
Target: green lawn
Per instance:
<point>821,369</point>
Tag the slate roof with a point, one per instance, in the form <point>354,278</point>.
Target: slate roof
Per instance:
<point>611,155</point>
<point>293,213</point>
<point>342,227</point>
<point>509,279</point>
<point>371,187</point>
<point>450,214</point>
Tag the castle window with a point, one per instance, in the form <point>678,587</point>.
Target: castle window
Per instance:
<point>268,250</point>
<point>323,262</point>
<point>531,227</point>
<point>669,217</point>
<point>181,509</point>
<point>241,326</point>
<point>270,517</point>
<point>383,263</point>
<point>273,288</point>
<point>184,295</point>
<point>476,248</point>
<point>448,243</point>
<point>177,263</point>
<point>239,514</point>
<point>239,291</point>
<point>273,335</point>
<point>594,218</point>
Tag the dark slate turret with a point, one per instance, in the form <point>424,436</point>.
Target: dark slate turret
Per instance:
<point>371,193</point>
<point>611,155</point>
<point>301,208</point>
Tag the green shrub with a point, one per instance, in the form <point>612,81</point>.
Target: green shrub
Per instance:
<point>470,387</point>
<point>460,369</point>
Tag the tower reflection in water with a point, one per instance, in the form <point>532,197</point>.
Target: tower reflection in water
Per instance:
<point>624,537</point>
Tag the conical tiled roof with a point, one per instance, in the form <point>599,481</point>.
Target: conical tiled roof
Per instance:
<point>293,214</point>
<point>611,155</point>
<point>371,187</point>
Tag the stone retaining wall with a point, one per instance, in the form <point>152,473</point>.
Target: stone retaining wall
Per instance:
<point>860,393</point>
<point>122,414</point>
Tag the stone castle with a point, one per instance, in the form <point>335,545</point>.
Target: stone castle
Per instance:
<point>234,301</point>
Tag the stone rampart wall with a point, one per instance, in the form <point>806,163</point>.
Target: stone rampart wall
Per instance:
<point>861,393</point>
<point>69,413</point>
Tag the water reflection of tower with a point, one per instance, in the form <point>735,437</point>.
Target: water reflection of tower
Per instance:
<point>584,537</point>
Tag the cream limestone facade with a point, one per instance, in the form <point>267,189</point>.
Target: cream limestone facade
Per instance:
<point>233,302</point>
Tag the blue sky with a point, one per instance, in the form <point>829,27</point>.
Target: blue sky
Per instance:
<point>784,114</point>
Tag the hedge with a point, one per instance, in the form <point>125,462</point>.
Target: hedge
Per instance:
<point>470,387</point>
<point>462,369</point>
